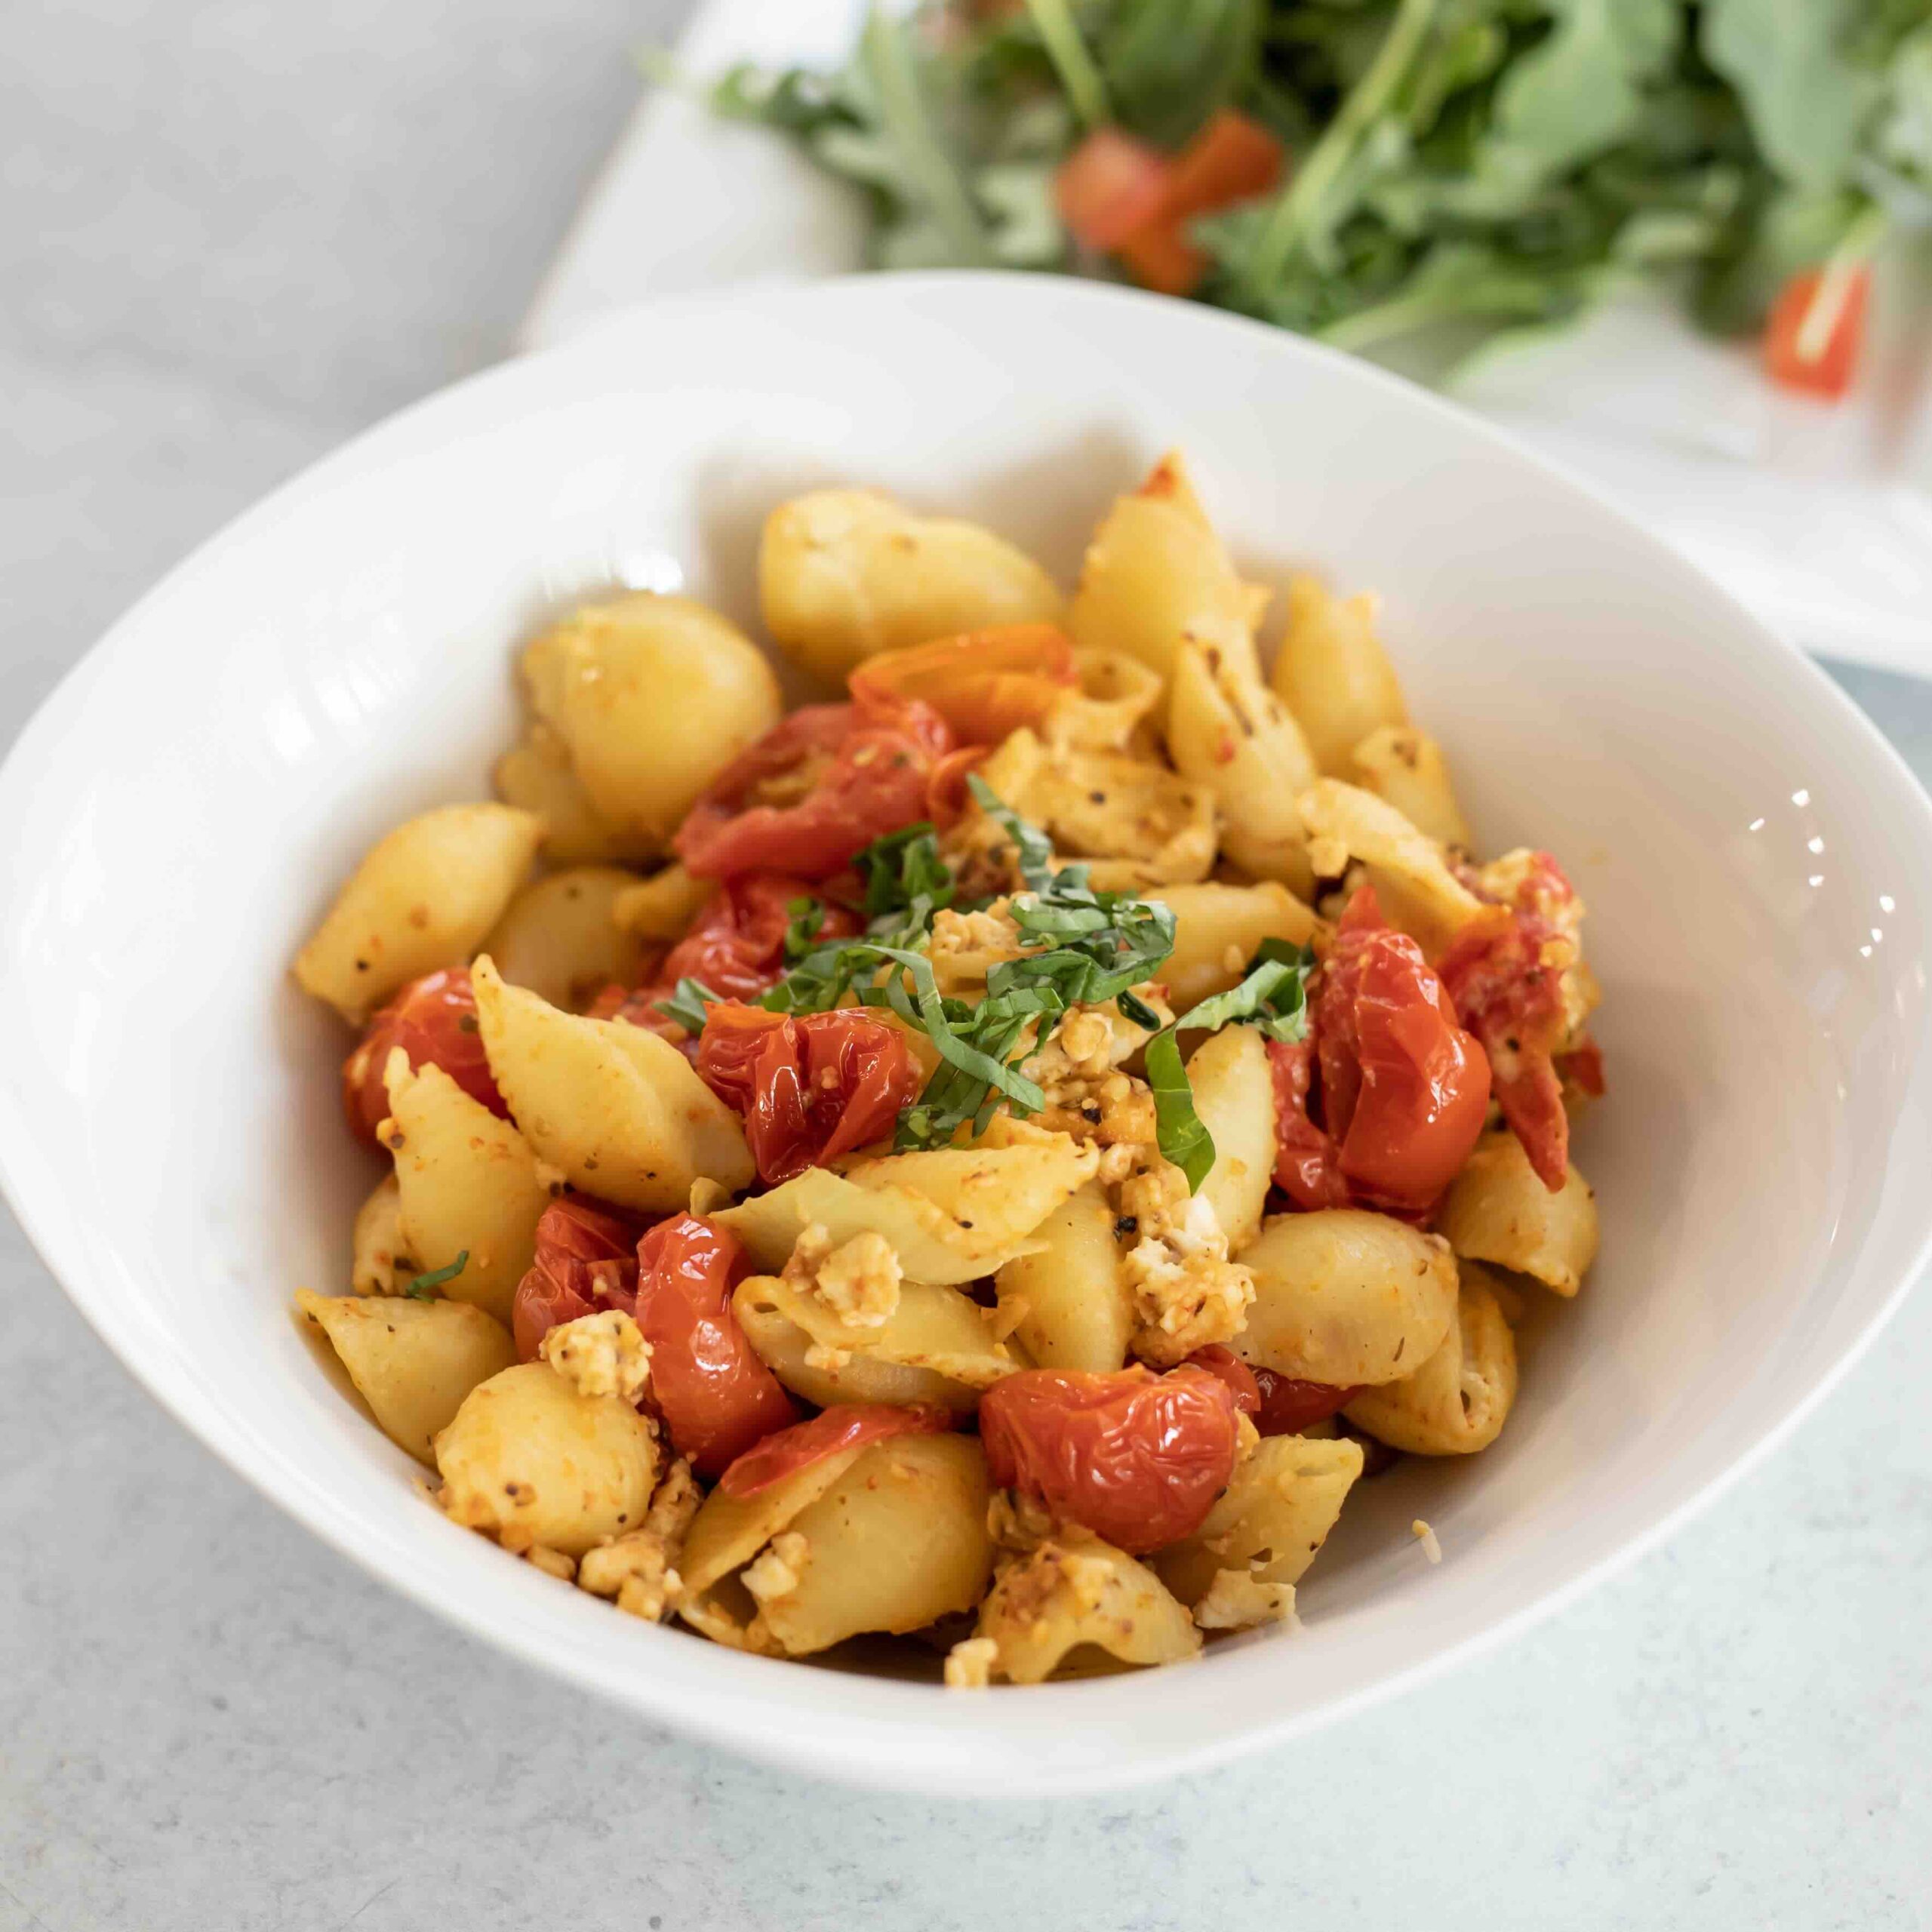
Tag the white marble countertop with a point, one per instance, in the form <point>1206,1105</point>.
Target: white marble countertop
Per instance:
<point>230,235</point>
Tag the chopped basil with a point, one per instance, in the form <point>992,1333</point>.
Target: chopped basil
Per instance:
<point>1273,995</point>
<point>1184,1139</point>
<point>424,1287</point>
<point>686,1004</point>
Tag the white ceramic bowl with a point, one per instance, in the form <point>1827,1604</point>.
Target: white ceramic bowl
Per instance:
<point>1757,865</point>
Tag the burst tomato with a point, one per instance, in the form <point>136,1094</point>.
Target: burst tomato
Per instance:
<point>1286,1406</point>
<point>816,789</point>
<point>984,684</point>
<point>1135,1458</point>
<point>433,1020</point>
<point>735,947</point>
<point>717,1397</point>
<point>586,1259</point>
<point>810,1088</point>
<point>1403,1086</point>
<point>1219,1360</point>
<point>1507,984</point>
<point>844,1425</point>
<point>1307,1162</point>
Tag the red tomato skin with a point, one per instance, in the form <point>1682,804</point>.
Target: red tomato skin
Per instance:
<point>870,764</point>
<point>1135,1458</point>
<point>1109,186</point>
<point>1513,1003</point>
<point>1583,1066</point>
<point>1830,373</point>
<point>433,1020</point>
<point>985,684</point>
<point>735,947</point>
<point>1424,1088</point>
<point>1286,1406</point>
<point>810,1088</point>
<point>1218,1359</point>
<point>844,1425</point>
<point>1307,1162</point>
<point>586,1259</point>
<point>716,1397</point>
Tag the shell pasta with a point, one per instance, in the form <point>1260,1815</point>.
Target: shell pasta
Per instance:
<point>988,1158</point>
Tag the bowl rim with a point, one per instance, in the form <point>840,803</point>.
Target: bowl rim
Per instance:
<point>733,1722</point>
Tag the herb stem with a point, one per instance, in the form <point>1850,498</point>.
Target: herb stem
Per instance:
<point>903,110</point>
<point>1825,309</point>
<point>1059,34</point>
<point>1295,210</point>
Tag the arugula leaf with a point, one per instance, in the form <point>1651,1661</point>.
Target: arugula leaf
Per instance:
<point>1807,103</point>
<point>1169,64</point>
<point>686,1004</point>
<point>1184,1138</point>
<point>424,1287</point>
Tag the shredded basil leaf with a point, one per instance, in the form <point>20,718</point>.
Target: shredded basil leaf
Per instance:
<point>686,1004</point>
<point>1184,1139</point>
<point>1032,852</point>
<point>1273,995</point>
<point>424,1287</point>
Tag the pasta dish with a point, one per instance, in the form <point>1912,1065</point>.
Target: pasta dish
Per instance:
<point>992,1158</point>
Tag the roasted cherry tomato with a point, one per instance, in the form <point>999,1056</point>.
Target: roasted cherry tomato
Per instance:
<point>1307,1162</point>
<point>1286,1406</point>
<point>1582,1067</point>
<point>1403,1086</point>
<point>947,795</point>
<point>810,1088</point>
<point>736,946</point>
<point>1219,1359</point>
<point>586,1259</point>
<point>816,789</point>
<point>1232,159</point>
<point>1810,347</point>
<point>1507,983</point>
<point>716,1397</point>
<point>433,1020</point>
<point>844,1425</point>
<point>1135,1458</point>
<point>1424,1081</point>
<point>985,684</point>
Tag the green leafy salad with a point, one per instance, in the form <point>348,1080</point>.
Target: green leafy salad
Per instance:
<point>1413,178</point>
<point>1082,948</point>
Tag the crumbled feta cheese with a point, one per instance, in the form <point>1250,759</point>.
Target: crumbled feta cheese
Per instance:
<point>1239,1600</point>
<point>969,1664</point>
<point>639,1569</point>
<point>858,1281</point>
<point>775,1572</point>
<point>604,1354</point>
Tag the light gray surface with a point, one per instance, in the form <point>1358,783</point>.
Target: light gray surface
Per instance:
<point>230,234</point>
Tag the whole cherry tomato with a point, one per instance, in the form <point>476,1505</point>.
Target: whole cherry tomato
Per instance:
<point>844,1425</point>
<point>1135,1458</point>
<point>816,789</point>
<point>1508,988</point>
<point>810,1088</point>
<point>586,1259</point>
<point>985,684</point>
<point>735,947</point>
<point>1217,1358</point>
<point>433,1020</point>
<point>1288,1407</point>
<point>716,1397</point>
